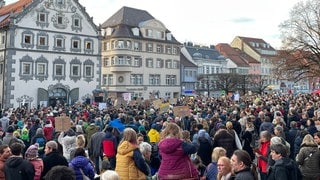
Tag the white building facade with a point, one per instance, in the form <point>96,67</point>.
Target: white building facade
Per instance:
<point>50,54</point>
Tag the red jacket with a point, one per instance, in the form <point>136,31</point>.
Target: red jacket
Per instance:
<point>263,160</point>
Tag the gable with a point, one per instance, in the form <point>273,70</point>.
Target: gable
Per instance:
<point>61,15</point>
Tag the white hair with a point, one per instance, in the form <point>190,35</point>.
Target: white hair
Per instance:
<point>110,175</point>
<point>144,147</point>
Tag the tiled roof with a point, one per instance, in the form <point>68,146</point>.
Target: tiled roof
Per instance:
<point>247,58</point>
<point>12,8</point>
<point>128,16</point>
<point>252,42</point>
<point>204,53</point>
<point>232,54</point>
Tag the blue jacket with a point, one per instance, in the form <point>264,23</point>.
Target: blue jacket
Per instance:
<point>83,163</point>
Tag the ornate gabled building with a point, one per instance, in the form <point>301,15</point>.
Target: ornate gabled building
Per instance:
<point>140,56</point>
<point>262,52</point>
<point>49,53</point>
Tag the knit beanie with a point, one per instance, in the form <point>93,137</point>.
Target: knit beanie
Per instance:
<point>32,151</point>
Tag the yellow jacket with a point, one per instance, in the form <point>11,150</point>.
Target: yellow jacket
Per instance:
<point>154,136</point>
<point>125,166</point>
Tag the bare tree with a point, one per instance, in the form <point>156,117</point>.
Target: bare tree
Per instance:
<point>300,57</point>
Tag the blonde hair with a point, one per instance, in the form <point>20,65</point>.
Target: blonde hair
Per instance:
<point>229,125</point>
<point>110,175</point>
<point>186,136</point>
<point>171,130</point>
<point>308,141</point>
<point>81,141</point>
<point>217,153</point>
<point>129,135</point>
<point>227,163</point>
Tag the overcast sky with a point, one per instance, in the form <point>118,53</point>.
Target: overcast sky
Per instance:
<point>206,22</point>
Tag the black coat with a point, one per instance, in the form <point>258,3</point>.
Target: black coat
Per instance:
<point>224,139</point>
<point>53,159</point>
<point>19,169</point>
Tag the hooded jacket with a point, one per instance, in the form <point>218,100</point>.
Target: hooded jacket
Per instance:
<point>83,163</point>
<point>127,163</point>
<point>68,143</point>
<point>309,160</point>
<point>281,169</point>
<point>154,135</point>
<point>176,163</point>
<point>18,168</point>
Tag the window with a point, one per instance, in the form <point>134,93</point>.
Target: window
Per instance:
<point>169,50</point>
<point>174,50</point>
<point>59,43</point>
<point>175,64</point>
<point>149,63</point>
<point>42,41</point>
<point>171,79</point>
<point>60,20</point>
<point>149,47</point>
<point>110,79</point>
<point>27,39</point>
<point>137,46</point>
<point>104,79</point>
<point>76,22</point>
<point>154,79</point>
<point>1,68</point>
<point>88,45</point>
<point>119,45</point>
<point>26,68</point>
<point>149,33</point>
<point>75,70</point>
<point>106,62</point>
<point>3,39</point>
<point>59,70</point>
<point>76,44</point>
<point>136,79</point>
<point>159,63</point>
<point>41,69</point>
<point>159,48</point>
<point>42,18</point>
<point>137,62</point>
<point>169,64</point>
<point>88,71</point>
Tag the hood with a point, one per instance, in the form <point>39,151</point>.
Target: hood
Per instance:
<point>14,162</point>
<point>287,162</point>
<point>79,161</point>
<point>153,132</point>
<point>91,127</point>
<point>170,145</point>
<point>126,147</point>
<point>108,135</point>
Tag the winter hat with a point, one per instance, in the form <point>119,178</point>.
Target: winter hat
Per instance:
<point>202,133</point>
<point>141,128</point>
<point>32,151</point>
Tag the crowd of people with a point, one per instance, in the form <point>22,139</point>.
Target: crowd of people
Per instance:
<point>266,137</point>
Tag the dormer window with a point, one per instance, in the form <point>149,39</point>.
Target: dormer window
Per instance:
<point>76,22</point>
<point>135,31</point>
<point>149,33</point>
<point>109,31</point>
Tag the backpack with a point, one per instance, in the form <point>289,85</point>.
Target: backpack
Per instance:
<point>42,143</point>
<point>294,172</point>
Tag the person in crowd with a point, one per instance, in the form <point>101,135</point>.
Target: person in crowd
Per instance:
<point>242,166</point>
<point>224,168</point>
<point>279,131</point>
<point>154,135</point>
<point>212,169</point>
<point>298,141</point>
<point>247,138</point>
<point>34,127</point>
<point>316,137</point>
<point>145,149</point>
<point>5,153</point>
<point>90,130</point>
<point>311,127</point>
<point>278,140</point>
<point>109,146</point>
<point>81,165</point>
<point>197,162</point>
<point>266,125</point>
<point>309,158</point>
<point>81,143</point>
<point>40,139</point>
<point>60,172</point>
<point>16,167</point>
<point>175,163</point>
<point>52,157</point>
<point>32,154</point>
<point>68,142</point>
<point>129,160</point>
<point>224,139</point>
<point>293,133</point>
<point>25,136</point>
<point>9,135</point>
<point>110,175</point>
<point>48,130</point>
<point>262,153</point>
<point>204,147</point>
<point>283,165</point>
<point>96,148</point>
